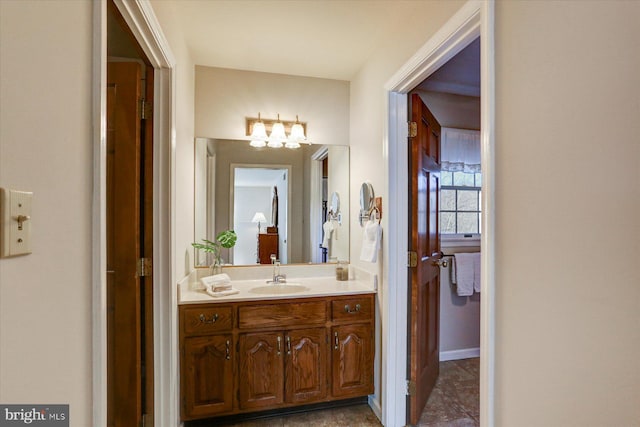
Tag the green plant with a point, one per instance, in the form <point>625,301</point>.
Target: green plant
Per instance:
<point>225,239</point>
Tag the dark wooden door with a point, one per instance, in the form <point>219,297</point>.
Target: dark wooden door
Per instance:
<point>306,368</point>
<point>352,360</point>
<point>424,240</point>
<point>207,375</point>
<point>124,298</point>
<point>261,370</point>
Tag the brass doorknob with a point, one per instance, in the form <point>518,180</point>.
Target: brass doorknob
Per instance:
<point>440,263</point>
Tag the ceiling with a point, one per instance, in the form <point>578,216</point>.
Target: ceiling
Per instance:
<point>460,75</point>
<point>315,38</point>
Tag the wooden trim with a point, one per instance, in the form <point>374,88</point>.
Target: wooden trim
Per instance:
<point>475,18</point>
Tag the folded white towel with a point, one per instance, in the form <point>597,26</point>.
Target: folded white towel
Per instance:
<point>218,294</point>
<point>371,238</point>
<point>215,281</point>
<point>464,266</point>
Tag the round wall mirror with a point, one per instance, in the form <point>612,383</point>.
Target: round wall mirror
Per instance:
<point>366,200</point>
<point>335,203</point>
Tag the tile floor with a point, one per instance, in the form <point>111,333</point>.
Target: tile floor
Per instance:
<point>454,402</point>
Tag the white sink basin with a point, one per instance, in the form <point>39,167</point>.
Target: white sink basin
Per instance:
<point>277,289</point>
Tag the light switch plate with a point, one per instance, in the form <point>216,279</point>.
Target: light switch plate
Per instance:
<point>15,222</point>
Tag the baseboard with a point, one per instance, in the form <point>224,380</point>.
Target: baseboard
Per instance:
<point>465,353</point>
<point>374,404</point>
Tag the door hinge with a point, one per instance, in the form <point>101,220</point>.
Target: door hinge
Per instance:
<point>146,109</point>
<point>413,129</point>
<point>144,267</point>
<point>412,259</point>
<point>144,422</point>
<point>411,388</point>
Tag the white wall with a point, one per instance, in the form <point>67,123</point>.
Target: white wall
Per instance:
<point>567,202</point>
<point>224,98</point>
<point>338,182</point>
<point>46,147</point>
<point>252,199</point>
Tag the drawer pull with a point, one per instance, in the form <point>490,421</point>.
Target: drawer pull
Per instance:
<point>288,345</point>
<point>228,356</point>
<point>203,319</point>
<point>347,309</point>
<point>335,340</point>
<point>279,344</point>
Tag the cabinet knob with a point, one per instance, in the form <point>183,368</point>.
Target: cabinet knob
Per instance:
<point>347,309</point>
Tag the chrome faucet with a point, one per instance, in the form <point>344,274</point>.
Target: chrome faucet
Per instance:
<point>277,277</point>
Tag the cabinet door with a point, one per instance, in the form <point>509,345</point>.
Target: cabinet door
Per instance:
<point>306,365</point>
<point>261,370</point>
<point>207,376</point>
<point>352,360</point>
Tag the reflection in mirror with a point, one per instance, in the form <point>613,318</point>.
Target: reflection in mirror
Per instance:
<point>234,182</point>
<point>366,201</point>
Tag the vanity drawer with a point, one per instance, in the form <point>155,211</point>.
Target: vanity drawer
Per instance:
<point>286,314</point>
<point>202,320</point>
<point>352,309</point>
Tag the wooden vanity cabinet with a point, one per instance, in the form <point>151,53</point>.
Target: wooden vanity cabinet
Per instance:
<point>273,355</point>
<point>352,347</point>
<point>204,358</point>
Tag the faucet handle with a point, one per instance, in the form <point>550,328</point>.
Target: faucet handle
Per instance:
<point>273,258</point>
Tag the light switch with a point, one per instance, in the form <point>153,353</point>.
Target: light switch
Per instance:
<point>15,225</point>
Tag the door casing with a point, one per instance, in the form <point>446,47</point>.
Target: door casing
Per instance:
<point>475,18</point>
<point>139,16</point>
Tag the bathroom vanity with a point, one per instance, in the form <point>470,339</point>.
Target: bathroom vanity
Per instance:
<point>265,348</point>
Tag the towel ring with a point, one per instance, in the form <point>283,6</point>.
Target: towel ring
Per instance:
<point>374,213</point>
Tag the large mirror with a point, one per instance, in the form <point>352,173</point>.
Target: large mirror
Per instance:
<point>276,200</point>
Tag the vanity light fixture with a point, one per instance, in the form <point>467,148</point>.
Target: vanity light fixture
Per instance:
<point>258,134</point>
<point>257,130</point>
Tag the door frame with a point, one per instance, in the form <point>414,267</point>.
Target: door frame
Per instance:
<point>139,17</point>
<point>475,18</point>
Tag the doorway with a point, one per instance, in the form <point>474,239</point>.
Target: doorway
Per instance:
<point>129,228</point>
<point>259,211</point>
<point>474,19</point>
<point>142,24</point>
<point>445,308</point>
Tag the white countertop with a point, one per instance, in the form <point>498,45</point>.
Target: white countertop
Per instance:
<point>317,287</point>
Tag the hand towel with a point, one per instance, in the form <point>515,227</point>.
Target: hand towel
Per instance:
<point>216,281</point>
<point>371,238</point>
<point>477,272</point>
<point>464,274</point>
<point>222,293</point>
<point>327,227</point>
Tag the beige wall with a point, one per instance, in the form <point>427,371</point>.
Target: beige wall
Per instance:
<point>224,98</point>
<point>368,159</point>
<point>184,140</point>
<point>46,146</point>
<point>567,202</point>
<point>453,111</point>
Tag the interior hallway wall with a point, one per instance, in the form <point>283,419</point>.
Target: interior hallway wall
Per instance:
<point>567,202</point>
<point>46,146</point>
<point>183,140</point>
<point>368,158</point>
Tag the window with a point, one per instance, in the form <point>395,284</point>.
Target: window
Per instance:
<point>460,202</point>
